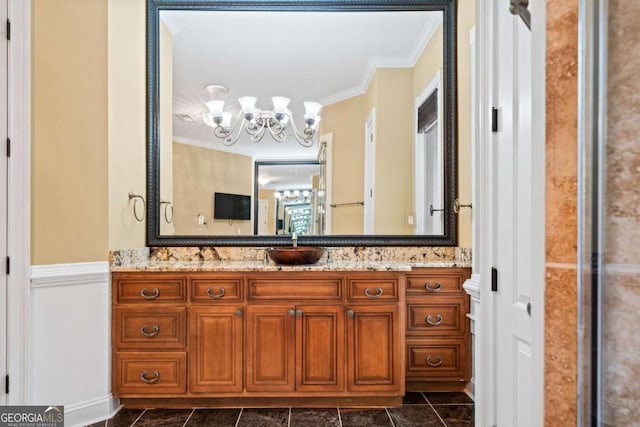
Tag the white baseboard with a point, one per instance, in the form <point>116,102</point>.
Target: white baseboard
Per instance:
<point>91,411</point>
<point>470,389</point>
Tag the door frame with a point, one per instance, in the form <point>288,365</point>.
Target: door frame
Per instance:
<point>19,199</point>
<point>419,151</point>
<point>369,193</point>
<point>484,236</point>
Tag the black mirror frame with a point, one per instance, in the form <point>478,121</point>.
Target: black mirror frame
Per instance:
<point>449,9</point>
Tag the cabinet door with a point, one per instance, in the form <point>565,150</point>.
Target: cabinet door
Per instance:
<point>270,348</point>
<point>215,356</point>
<point>373,348</point>
<point>320,348</point>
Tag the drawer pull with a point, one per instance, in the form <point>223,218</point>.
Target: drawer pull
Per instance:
<point>220,293</point>
<point>154,295</point>
<point>291,312</point>
<point>437,321</point>
<point>298,313</point>
<point>434,364</point>
<point>238,312</point>
<point>435,288</point>
<point>368,293</point>
<point>153,333</point>
<point>156,377</point>
<point>351,313</point>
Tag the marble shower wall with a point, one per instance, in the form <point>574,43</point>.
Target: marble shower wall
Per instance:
<point>561,244</point>
<point>621,316</point>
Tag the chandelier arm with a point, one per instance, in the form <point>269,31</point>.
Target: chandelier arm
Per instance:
<point>257,137</point>
<point>306,140</point>
<point>258,133</point>
<point>277,132</point>
<point>230,139</point>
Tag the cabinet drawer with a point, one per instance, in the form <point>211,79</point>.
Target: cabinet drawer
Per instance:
<point>432,284</point>
<point>303,289</point>
<point>152,288</point>
<point>439,358</point>
<point>149,329</point>
<point>212,290</point>
<point>372,289</point>
<point>150,373</point>
<point>436,318</point>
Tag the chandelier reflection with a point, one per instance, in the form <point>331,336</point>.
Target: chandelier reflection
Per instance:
<point>257,123</point>
<point>293,196</point>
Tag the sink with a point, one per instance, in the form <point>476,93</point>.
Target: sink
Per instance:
<point>298,255</point>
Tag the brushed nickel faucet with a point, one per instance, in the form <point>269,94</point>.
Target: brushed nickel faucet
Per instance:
<point>294,239</point>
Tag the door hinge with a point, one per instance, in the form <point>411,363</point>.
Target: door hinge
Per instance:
<point>8,30</point>
<point>494,279</point>
<point>8,147</point>
<point>8,265</point>
<point>494,119</point>
<point>6,384</point>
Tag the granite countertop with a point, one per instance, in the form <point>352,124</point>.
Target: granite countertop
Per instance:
<point>357,265</point>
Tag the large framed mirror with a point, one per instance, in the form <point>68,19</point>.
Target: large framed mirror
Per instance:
<point>336,120</point>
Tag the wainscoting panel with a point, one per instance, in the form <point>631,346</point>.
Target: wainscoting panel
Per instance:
<point>70,340</point>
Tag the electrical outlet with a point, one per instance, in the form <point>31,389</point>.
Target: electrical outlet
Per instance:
<point>409,219</point>
<point>201,220</point>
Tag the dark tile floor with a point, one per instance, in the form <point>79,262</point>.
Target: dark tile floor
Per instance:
<point>418,410</point>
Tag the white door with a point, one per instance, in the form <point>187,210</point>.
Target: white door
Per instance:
<point>3,197</point>
<point>263,217</point>
<point>518,213</point>
<point>369,173</point>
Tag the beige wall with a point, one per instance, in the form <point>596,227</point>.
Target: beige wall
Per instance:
<point>69,187</point>
<point>348,161</point>
<point>271,209</point>
<point>466,21</point>
<point>394,140</point>
<point>127,140</point>
<point>429,62</point>
<point>198,174</point>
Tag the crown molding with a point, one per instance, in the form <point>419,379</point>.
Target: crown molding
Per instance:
<point>428,30</point>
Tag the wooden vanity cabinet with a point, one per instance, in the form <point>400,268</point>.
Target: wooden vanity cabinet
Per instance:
<point>295,333</point>
<point>149,334</point>
<point>295,348</point>
<point>374,327</point>
<point>258,335</point>
<point>438,347</point>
